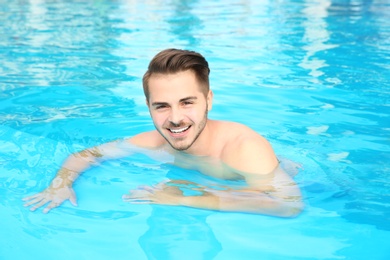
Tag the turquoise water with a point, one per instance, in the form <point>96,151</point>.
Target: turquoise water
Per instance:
<point>311,76</point>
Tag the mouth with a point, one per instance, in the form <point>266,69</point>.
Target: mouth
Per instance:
<point>179,130</point>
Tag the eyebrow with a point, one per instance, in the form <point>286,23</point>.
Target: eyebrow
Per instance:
<point>181,100</point>
<point>188,98</point>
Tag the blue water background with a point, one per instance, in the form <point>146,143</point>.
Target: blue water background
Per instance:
<point>311,76</point>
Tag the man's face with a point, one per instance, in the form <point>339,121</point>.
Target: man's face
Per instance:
<point>178,107</point>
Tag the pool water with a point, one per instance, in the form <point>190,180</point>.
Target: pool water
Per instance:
<point>311,76</point>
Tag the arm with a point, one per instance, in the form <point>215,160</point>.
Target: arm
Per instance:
<point>60,188</point>
<point>269,190</point>
<point>285,201</point>
<point>276,195</point>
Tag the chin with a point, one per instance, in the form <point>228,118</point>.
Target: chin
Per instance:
<point>180,147</point>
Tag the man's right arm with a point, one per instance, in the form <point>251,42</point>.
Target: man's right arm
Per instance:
<point>60,188</point>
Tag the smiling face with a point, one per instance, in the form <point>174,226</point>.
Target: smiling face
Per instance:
<point>178,108</point>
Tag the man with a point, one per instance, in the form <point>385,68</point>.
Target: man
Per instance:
<point>176,87</point>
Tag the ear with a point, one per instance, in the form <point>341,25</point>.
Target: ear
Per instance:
<point>209,99</point>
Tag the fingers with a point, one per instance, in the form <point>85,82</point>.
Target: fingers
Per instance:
<point>145,188</point>
<point>140,196</point>
<point>39,204</point>
<point>73,201</point>
<point>39,200</point>
<point>137,200</point>
<point>73,198</point>
<point>31,197</point>
<point>137,194</point>
<point>32,201</point>
<point>50,206</point>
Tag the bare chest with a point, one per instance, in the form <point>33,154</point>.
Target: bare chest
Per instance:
<point>208,166</point>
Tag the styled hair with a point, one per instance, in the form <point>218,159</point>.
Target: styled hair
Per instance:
<point>171,61</point>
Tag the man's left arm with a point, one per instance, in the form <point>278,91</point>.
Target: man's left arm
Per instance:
<point>282,198</point>
<point>269,190</point>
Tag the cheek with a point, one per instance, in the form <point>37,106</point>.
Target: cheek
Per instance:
<point>192,114</point>
<point>158,118</point>
<point>199,111</point>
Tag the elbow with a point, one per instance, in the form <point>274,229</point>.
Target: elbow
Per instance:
<point>291,211</point>
<point>279,209</point>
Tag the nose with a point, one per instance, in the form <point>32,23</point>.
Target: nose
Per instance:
<point>176,116</point>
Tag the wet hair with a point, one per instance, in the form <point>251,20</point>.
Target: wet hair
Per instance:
<point>171,61</point>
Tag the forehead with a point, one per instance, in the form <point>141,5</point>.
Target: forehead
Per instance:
<point>163,87</point>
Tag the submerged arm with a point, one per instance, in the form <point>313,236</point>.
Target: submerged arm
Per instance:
<point>60,188</point>
<point>276,196</point>
<point>269,190</point>
<point>284,201</point>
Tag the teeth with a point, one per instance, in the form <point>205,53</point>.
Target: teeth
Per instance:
<point>176,131</point>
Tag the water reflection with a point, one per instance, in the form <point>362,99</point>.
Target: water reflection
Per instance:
<point>184,23</point>
<point>60,64</point>
<point>177,232</point>
<point>315,38</point>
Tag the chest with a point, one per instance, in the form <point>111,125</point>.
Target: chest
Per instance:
<point>207,166</point>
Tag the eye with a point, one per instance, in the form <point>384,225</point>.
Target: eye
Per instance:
<point>160,107</point>
<point>187,103</point>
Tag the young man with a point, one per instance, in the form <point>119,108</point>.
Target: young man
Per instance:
<point>176,87</point>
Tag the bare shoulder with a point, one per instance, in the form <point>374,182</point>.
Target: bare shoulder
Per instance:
<point>234,126</point>
<point>247,151</point>
<point>151,139</point>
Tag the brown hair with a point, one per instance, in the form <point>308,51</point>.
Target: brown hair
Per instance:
<point>171,61</point>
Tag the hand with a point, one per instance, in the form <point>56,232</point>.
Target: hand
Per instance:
<point>54,196</point>
<point>159,194</point>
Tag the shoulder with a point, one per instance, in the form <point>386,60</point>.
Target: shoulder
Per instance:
<point>151,139</point>
<point>247,151</point>
<point>235,132</point>
<point>233,128</point>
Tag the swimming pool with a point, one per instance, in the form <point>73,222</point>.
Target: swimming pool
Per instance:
<point>311,76</point>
